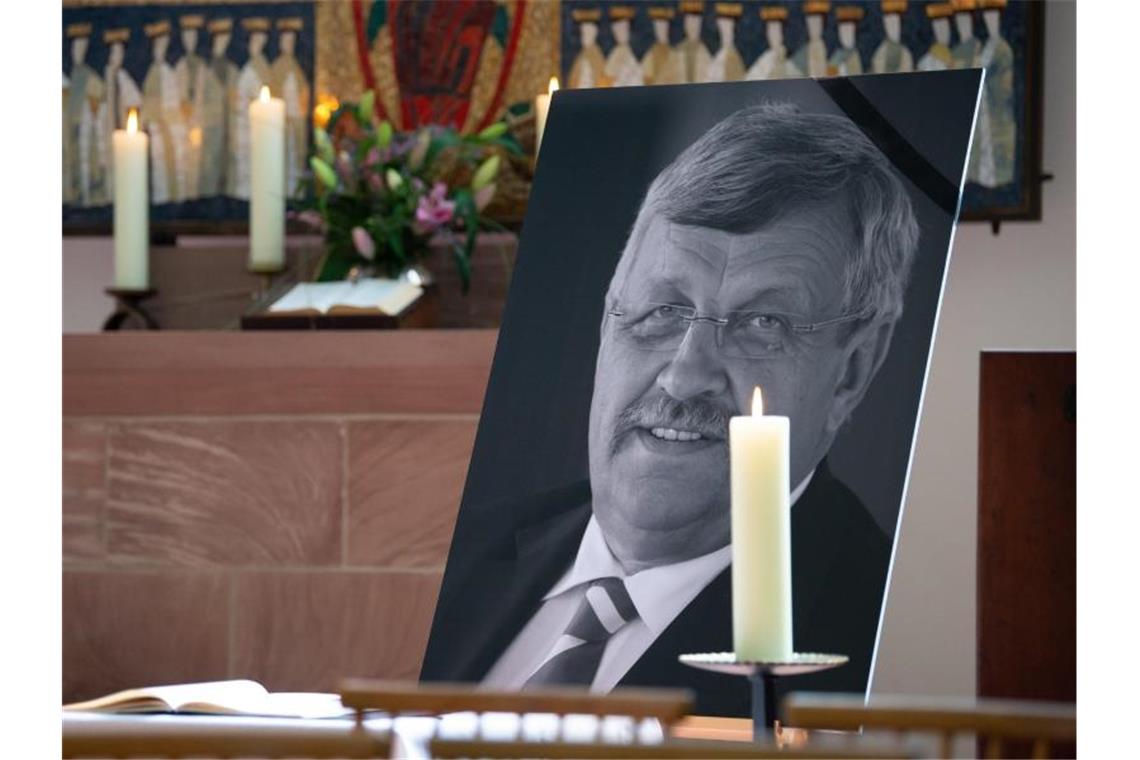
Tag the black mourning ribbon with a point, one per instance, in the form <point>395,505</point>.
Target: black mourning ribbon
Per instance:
<point>912,164</point>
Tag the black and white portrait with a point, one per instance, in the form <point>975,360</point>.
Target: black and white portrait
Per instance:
<point>684,245</point>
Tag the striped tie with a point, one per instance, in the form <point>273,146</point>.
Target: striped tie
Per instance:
<point>605,608</point>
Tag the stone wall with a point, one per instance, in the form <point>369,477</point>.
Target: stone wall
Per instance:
<point>266,506</point>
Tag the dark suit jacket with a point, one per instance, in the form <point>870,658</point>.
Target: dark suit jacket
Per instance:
<point>496,578</point>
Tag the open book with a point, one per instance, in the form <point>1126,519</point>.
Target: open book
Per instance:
<point>366,296</point>
<point>238,697</point>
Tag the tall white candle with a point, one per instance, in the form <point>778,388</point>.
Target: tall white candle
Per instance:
<point>132,235</point>
<point>267,183</point>
<point>761,536</point>
<point>541,111</point>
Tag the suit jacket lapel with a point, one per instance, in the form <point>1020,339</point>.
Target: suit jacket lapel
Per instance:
<point>512,589</point>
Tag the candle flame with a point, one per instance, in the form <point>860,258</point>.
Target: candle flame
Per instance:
<point>264,96</point>
<point>552,86</point>
<point>132,121</point>
<point>757,402</point>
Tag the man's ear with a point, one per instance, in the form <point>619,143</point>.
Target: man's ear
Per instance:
<point>865,354</point>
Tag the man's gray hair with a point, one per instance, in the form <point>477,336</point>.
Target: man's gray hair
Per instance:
<point>766,160</point>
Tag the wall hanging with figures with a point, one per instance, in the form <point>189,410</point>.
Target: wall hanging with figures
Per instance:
<point>607,43</point>
<point>192,68</point>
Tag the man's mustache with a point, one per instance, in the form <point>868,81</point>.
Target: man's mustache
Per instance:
<point>698,415</point>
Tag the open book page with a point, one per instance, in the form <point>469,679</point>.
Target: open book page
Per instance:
<point>218,696</point>
<point>237,697</point>
<point>311,296</point>
<point>387,296</point>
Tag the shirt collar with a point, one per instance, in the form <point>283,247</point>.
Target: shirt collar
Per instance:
<point>659,593</point>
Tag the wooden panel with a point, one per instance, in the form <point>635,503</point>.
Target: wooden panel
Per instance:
<point>304,631</point>
<point>1027,526</point>
<point>82,526</point>
<point>84,455</point>
<point>84,489</point>
<point>404,485</point>
<point>187,373</point>
<point>122,630</point>
<point>225,492</point>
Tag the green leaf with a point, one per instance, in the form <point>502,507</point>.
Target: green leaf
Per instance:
<point>498,129</point>
<point>383,135</point>
<point>324,145</point>
<point>324,172</point>
<point>377,19</point>
<point>336,264</point>
<point>463,264</point>
<point>500,25</point>
<point>393,179</point>
<point>420,150</point>
<point>510,143</point>
<point>365,145</point>
<point>396,244</point>
<point>485,174</point>
<point>367,106</point>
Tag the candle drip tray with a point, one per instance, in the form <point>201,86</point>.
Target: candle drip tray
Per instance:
<point>799,663</point>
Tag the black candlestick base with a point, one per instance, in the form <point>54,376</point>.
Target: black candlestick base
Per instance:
<point>764,712</point>
<point>129,313</point>
<point>763,675</point>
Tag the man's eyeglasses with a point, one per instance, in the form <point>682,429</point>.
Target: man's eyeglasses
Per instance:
<point>740,334</point>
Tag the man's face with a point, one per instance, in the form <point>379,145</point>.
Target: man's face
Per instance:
<point>651,475</point>
<point>190,40</point>
<point>892,23</point>
<point>692,26</point>
<point>115,55</point>
<point>992,18</point>
<point>847,34</point>
<point>621,32</point>
<point>161,43</point>
<point>775,33</point>
<point>256,42</point>
<point>815,26</point>
<point>221,41</point>
<point>589,32</point>
<point>288,42</point>
<point>78,49</point>
<point>726,27</point>
<point>965,24</point>
<point>941,28</point>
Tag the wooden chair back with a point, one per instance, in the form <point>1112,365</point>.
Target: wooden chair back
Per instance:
<point>674,749</point>
<point>209,739</point>
<point>995,722</point>
<point>397,697</point>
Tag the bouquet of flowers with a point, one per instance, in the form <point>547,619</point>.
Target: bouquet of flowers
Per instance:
<point>380,196</point>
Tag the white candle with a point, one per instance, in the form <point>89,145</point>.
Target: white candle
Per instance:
<point>541,110</point>
<point>132,235</point>
<point>761,536</point>
<point>267,183</point>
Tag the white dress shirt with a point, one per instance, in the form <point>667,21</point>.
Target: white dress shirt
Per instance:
<point>659,594</point>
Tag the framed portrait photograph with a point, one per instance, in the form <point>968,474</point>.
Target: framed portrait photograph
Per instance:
<point>683,246</point>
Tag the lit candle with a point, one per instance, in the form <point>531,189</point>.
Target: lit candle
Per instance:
<point>267,183</point>
<point>761,536</point>
<point>541,109</point>
<point>132,235</point>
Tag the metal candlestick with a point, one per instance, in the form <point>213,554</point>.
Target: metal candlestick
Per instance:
<point>128,304</point>
<point>763,677</point>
